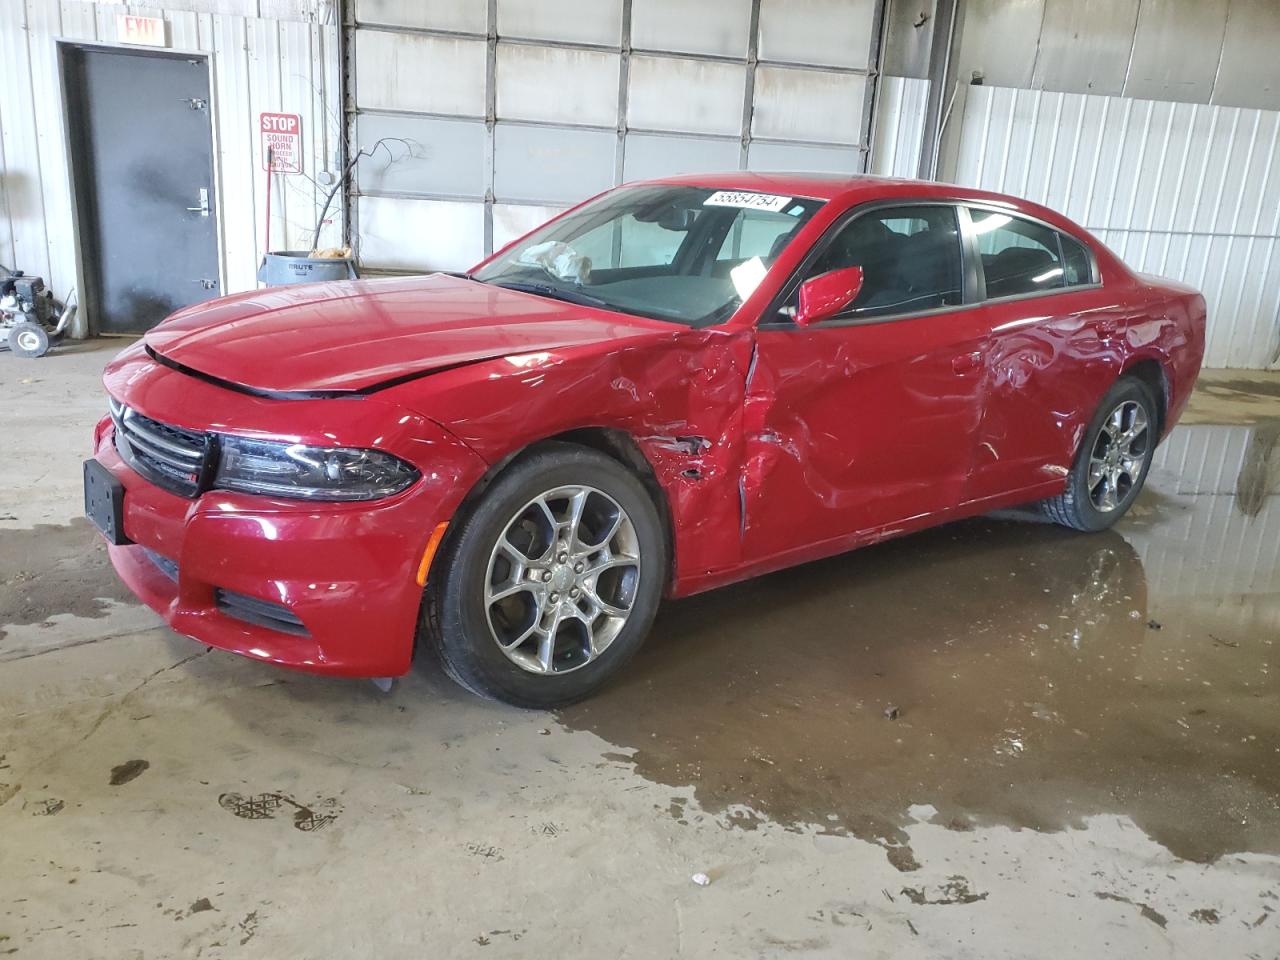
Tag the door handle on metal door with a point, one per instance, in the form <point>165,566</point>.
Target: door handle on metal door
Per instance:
<point>966,363</point>
<point>203,209</point>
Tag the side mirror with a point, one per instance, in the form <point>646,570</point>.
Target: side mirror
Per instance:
<point>827,294</point>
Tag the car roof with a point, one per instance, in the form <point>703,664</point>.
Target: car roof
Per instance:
<point>858,188</point>
<point>816,186</point>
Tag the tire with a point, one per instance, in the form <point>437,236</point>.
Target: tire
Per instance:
<point>27,339</point>
<point>1091,506</point>
<point>484,596</point>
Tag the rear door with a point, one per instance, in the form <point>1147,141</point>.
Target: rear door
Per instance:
<point>1053,351</point>
<point>866,420</point>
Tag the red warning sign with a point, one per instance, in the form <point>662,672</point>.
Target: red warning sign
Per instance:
<point>281,135</point>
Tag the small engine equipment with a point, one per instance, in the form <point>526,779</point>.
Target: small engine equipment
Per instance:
<point>30,318</point>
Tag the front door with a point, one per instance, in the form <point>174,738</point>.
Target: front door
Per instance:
<point>867,420</point>
<point>142,165</point>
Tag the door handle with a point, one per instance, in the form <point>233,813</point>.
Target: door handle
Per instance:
<point>966,363</point>
<point>203,209</point>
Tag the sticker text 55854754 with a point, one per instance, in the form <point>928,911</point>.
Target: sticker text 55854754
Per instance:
<point>751,201</point>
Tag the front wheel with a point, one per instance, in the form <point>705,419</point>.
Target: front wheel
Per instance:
<point>551,581</point>
<point>1112,462</point>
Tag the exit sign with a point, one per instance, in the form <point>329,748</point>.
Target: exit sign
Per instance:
<point>148,31</point>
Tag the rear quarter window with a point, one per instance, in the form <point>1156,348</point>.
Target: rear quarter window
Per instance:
<point>1077,265</point>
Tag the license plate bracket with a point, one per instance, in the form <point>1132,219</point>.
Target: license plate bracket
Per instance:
<point>104,502</point>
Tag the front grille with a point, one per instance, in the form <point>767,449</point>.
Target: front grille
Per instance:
<point>168,456</point>
<point>261,613</point>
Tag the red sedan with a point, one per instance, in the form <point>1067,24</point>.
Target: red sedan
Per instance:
<point>675,385</point>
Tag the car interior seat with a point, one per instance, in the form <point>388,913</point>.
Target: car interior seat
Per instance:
<point>1014,269</point>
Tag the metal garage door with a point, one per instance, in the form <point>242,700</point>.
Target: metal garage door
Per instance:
<point>507,111</point>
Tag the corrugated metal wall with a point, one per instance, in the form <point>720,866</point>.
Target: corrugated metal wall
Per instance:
<point>279,57</point>
<point>512,109</point>
<point>1184,190</point>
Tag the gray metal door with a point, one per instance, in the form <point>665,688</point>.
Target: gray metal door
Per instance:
<point>142,160</point>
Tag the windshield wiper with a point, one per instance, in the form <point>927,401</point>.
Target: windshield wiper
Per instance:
<point>557,293</point>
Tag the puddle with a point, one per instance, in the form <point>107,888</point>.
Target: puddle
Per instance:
<point>1040,676</point>
<point>56,569</point>
<point>127,771</point>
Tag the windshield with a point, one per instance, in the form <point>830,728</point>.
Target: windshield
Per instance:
<point>689,255</point>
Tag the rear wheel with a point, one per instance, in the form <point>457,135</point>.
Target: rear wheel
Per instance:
<point>551,582</point>
<point>1112,462</point>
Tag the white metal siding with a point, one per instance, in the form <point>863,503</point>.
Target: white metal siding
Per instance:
<point>515,103</point>
<point>899,124</point>
<point>1188,191</point>
<point>258,63</point>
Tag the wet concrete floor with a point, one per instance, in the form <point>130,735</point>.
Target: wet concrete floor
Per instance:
<point>997,738</point>
<point>1037,677</point>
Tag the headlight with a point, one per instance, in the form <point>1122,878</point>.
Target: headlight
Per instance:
<point>309,473</point>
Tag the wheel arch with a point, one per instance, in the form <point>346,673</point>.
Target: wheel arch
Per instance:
<point>621,446</point>
<point>617,444</point>
<point>1150,371</point>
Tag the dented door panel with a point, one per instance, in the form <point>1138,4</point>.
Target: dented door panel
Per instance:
<point>1050,361</point>
<point>852,428</point>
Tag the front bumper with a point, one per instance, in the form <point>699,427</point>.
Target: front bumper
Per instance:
<point>347,574</point>
<point>343,575</point>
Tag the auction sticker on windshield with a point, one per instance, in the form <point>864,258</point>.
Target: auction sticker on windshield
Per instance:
<point>752,201</point>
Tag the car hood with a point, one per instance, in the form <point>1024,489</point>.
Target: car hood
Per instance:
<point>360,335</point>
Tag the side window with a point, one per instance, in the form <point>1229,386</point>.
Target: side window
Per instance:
<point>756,233</point>
<point>1077,265</point>
<point>628,242</point>
<point>910,260</point>
<point>1018,256</point>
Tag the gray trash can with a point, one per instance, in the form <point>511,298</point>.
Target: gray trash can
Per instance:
<point>294,266</point>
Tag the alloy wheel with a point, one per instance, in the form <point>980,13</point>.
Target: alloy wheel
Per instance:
<point>561,579</point>
<point>1119,456</point>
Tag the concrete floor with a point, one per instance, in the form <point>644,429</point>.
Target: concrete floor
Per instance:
<point>1085,759</point>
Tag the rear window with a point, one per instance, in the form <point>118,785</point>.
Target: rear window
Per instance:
<point>1022,257</point>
